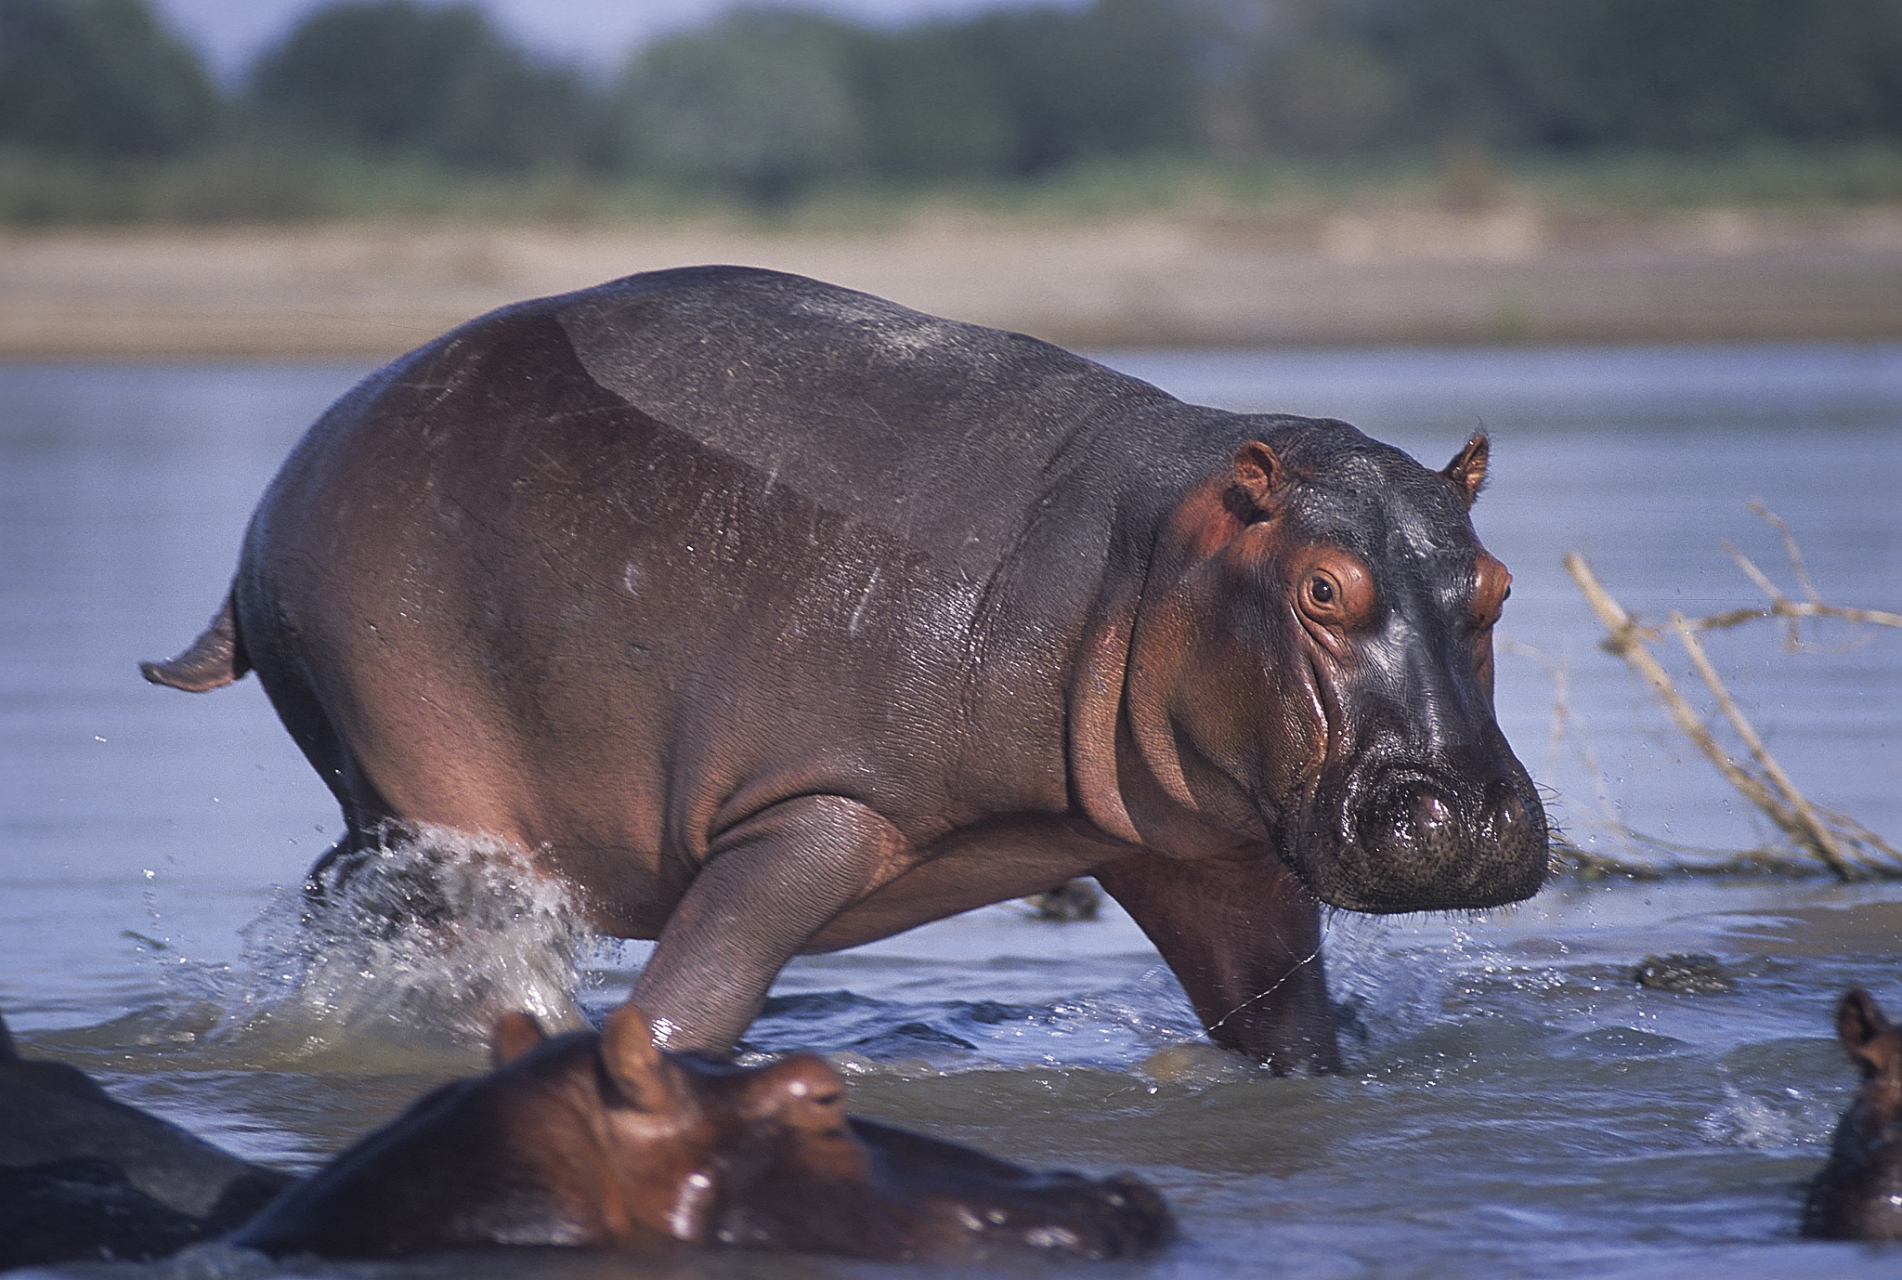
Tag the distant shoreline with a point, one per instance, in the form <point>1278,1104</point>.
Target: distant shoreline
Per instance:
<point>1399,275</point>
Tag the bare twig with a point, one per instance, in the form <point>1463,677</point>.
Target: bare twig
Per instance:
<point>1671,860</point>
<point>1785,805</point>
<point>1849,850</point>
<point>1789,549</point>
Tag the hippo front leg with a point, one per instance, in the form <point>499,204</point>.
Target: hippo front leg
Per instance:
<point>766,887</point>
<point>1244,939</point>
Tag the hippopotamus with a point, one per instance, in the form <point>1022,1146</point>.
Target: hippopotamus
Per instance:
<point>777,618</point>
<point>588,1139</point>
<point>602,1140</point>
<point>83,1175</point>
<point>1857,1195</point>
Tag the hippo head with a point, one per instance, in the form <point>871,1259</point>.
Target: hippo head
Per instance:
<point>606,1141</point>
<point>706,1151</point>
<point>1318,669</point>
<point>1857,1195</point>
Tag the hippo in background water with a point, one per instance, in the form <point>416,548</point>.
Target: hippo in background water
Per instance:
<point>603,1141</point>
<point>83,1175</point>
<point>777,618</point>
<point>1857,1195</point>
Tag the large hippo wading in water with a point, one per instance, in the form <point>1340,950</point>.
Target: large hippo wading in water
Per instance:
<point>778,618</point>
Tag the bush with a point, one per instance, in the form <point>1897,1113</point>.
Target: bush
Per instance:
<point>99,78</point>
<point>392,77</point>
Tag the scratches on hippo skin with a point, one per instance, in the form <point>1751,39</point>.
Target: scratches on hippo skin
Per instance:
<point>923,397</point>
<point>858,614</point>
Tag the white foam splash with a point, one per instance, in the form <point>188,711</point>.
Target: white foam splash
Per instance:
<point>418,945</point>
<point>1745,1120</point>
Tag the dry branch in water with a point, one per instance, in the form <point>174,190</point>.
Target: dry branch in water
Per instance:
<point>1845,847</point>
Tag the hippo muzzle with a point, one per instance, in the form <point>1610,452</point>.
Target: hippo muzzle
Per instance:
<point>1410,840</point>
<point>1419,802</point>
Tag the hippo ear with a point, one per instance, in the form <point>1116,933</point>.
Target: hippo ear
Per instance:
<point>1468,470</point>
<point>1859,1022</point>
<point>633,1062</point>
<point>1258,475</point>
<point>514,1035</point>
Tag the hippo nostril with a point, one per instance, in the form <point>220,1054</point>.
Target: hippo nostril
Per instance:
<point>1506,815</point>
<point>1430,814</point>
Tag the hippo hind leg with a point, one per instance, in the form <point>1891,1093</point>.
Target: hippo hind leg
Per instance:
<point>341,875</point>
<point>357,880</point>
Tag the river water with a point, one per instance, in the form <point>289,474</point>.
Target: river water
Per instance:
<point>1515,1105</point>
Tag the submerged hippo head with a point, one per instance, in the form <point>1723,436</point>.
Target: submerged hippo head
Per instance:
<point>85,1176</point>
<point>1857,1195</point>
<point>1319,670</point>
<point>605,1141</point>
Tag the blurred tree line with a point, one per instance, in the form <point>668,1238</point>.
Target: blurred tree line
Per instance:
<point>768,103</point>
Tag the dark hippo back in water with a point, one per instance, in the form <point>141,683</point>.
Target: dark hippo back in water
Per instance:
<point>1857,1194</point>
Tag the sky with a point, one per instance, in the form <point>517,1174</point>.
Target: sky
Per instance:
<point>596,33</point>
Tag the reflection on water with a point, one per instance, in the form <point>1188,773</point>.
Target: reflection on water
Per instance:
<point>1516,1103</point>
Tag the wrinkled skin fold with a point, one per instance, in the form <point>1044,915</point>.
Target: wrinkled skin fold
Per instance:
<point>778,618</point>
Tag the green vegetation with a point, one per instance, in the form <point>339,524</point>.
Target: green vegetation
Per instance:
<point>98,79</point>
<point>394,108</point>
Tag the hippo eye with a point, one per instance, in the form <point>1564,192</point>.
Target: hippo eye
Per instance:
<point>1333,592</point>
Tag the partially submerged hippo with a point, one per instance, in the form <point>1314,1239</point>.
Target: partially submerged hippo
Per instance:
<point>604,1141</point>
<point>1857,1195</point>
<point>83,1175</point>
<point>778,618</point>
<point>591,1140</point>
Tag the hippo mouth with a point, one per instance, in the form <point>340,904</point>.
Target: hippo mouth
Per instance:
<point>1408,840</point>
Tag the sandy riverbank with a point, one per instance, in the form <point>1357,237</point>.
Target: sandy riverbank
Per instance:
<point>1396,275</point>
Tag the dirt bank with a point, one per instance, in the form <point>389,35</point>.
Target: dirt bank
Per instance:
<point>1396,275</point>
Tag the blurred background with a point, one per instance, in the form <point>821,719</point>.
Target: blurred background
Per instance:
<point>1247,171</point>
<point>208,109</point>
<point>193,177</point>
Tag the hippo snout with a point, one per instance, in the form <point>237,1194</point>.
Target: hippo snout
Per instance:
<point>1132,1219</point>
<point>1420,843</point>
<point>1067,1213</point>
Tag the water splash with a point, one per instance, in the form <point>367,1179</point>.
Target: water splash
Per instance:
<point>1749,1120</point>
<point>406,950</point>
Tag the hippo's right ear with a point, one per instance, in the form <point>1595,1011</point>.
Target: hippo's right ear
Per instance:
<point>515,1034</point>
<point>634,1062</point>
<point>1258,475</point>
<point>1859,1022</point>
<point>1467,470</point>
